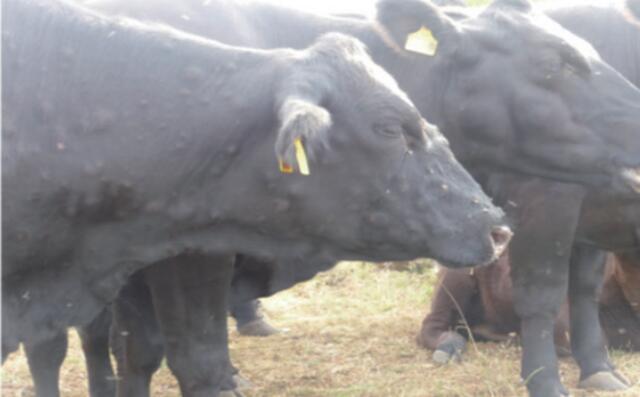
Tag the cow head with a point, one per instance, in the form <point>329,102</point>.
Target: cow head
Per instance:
<point>510,88</point>
<point>381,181</point>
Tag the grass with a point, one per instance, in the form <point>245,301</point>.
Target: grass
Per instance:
<point>349,334</point>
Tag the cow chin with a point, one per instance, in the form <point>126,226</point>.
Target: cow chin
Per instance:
<point>469,253</point>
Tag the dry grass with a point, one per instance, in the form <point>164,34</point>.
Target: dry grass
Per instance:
<point>350,333</point>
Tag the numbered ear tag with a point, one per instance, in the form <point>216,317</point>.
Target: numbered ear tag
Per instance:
<point>284,167</point>
<point>422,42</point>
<point>301,157</point>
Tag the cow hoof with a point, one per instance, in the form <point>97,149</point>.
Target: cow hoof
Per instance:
<point>559,393</point>
<point>258,327</point>
<point>27,392</point>
<point>451,348</point>
<point>553,390</point>
<point>604,380</point>
<point>441,357</point>
<point>242,383</point>
<point>622,378</point>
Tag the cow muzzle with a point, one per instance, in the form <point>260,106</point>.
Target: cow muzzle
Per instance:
<point>631,177</point>
<point>501,236</point>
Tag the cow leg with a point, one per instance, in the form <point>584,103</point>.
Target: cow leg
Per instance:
<point>587,339</point>
<point>619,321</point>
<point>627,275</point>
<point>135,339</point>
<point>249,320</point>
<point>45,359</point>
<point>95,345</point>
<point>540,254</point>
<point>561,332</point>
<point>455,290</point>
<point>190,301</point>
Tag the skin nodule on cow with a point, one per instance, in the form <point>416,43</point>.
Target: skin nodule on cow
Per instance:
<point>127,145</point>
<point>512,91</point>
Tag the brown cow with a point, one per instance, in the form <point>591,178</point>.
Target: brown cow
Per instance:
<point>481,300</point>
<point>620,301</point>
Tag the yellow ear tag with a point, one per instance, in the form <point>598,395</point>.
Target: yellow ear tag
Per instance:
<point>422,42</point>
<point>284,167</point>
<point>301,156</point>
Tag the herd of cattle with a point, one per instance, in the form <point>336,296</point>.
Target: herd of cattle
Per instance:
<point>162,158</point>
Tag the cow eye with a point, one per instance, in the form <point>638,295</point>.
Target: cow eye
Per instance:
<point>389,131</point>
<point>568,69</point>
<point>556,66</point>
<point>553,66</point>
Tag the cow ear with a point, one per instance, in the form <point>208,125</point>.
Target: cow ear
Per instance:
<point>403,18</point>
<point>303,131</point>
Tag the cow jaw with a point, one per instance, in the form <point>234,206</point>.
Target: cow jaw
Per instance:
<point>631,176</point>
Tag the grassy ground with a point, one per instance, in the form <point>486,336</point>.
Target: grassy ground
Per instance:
<point>350,333</point>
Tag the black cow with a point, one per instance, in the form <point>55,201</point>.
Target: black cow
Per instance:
<point>126,146</point>
<point>613,29</point>
<point>512,91</point>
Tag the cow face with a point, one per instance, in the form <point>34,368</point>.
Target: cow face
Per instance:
<point>382,181</point>
<point>518,91</point>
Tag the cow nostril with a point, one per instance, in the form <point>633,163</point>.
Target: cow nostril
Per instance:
<point>501,236</point>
